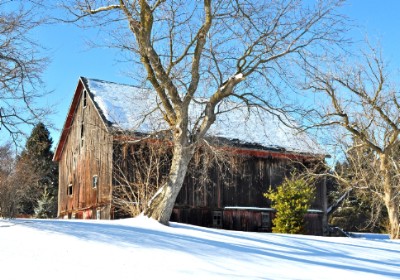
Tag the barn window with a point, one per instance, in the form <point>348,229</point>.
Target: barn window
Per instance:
<point>69,190</point>
<point>82,129</point>
<point>82,133</point>
<point>84,103</point>
<point>95,181</point>
<point>265,220</point>
<point>217,218</point>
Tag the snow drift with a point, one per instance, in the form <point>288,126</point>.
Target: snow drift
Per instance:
<point>137,248</point>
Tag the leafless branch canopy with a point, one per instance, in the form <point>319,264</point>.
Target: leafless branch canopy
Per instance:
<point>364,102</point>
<point>242,50</point>
<point>20,70</point>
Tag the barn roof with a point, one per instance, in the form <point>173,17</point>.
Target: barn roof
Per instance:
<point>130,108</point>
<point>125,107</point>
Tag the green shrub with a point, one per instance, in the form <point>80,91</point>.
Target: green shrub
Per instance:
<point>291,200</point>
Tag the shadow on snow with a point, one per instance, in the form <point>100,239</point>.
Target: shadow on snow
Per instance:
<point>181,237</point>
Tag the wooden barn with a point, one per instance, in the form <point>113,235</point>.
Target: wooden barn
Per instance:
<point>106,126</point>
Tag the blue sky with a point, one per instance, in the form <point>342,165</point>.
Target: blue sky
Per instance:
<point>71,57</point>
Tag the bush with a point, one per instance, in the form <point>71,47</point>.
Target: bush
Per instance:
<point>291,200</point>
<point>45,208</point>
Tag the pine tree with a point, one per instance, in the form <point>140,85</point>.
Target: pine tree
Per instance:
<point>45,207</point>
<point>291,200</point>
<point>42,178</point>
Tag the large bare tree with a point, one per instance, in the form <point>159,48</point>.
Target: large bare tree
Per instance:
<point>366,104</point>
<point>20,68</point>
<point>210,52</point>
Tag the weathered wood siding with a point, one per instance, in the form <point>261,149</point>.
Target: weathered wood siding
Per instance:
<point>246,220</point>
<point>210,187</point>
<point>87,153</point>
<point>244,188</point>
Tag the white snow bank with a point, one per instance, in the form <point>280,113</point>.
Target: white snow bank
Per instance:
<point>141,248</point>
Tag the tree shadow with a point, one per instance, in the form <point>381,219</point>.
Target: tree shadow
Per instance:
<point>209,243</point>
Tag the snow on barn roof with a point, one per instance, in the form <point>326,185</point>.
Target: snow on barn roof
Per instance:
<point>135,109</point>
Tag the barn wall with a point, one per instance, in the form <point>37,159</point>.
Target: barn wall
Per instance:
<point>243,188</point>
<point>314,223</point>
<point>246,220</point>
<point>240,181</point>
<point>193,216</point>
<point>87,152</point>
<point>252,220</point>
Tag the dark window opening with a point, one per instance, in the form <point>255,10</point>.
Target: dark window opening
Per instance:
<point>82,129</point>
<point>95,181</point>
<point>82,133</point>
<point>265,220</point>
<point>217,218</point>
<point>84,98</point>
<point>69,190</point>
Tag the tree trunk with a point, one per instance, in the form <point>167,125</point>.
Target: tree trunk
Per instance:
<point>392,206</point>
<point>161,205</point>
<point>391,199</point>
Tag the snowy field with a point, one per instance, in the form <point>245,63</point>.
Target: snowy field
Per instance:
<point>142,249</point>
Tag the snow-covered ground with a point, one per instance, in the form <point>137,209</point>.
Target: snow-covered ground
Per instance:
<point>143,249</point>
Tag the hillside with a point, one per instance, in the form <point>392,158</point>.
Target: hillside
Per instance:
<point>141,248</point>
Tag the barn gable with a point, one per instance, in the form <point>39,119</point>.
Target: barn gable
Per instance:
<point>84,153</point>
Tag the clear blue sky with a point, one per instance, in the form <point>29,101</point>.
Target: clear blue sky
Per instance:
<point>71,57</point>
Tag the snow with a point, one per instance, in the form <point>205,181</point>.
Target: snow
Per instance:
<point>141,248</point>
<point>135,109</point>
<point>248,208</point>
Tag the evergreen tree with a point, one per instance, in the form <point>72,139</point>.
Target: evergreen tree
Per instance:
<point>45,207</point>
<point>36,160</point>
<point>291,200</point>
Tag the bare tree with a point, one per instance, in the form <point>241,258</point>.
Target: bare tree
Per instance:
<point>358,180</point>
<point>210,52</point>
<point>6,168</point>
<point>11,192</point>
<point>15,181</point>
<point>141,167</point>
<point>20,69</point>
<point>365,103</point>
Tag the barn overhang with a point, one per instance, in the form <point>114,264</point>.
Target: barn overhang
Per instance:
<point>234,148</point>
